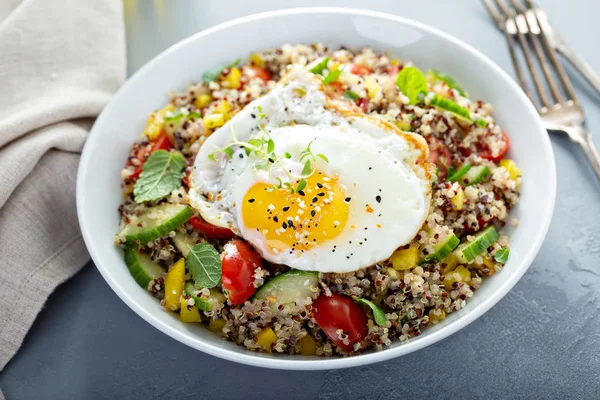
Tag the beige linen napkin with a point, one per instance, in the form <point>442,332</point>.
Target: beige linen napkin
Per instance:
<point>60,62</point>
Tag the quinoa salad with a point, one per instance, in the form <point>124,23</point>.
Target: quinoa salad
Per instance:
<point>232,220</point>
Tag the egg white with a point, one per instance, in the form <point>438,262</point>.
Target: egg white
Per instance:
<point>377,166</point>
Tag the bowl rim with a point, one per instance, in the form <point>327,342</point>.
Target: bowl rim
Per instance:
<point>253,359</point>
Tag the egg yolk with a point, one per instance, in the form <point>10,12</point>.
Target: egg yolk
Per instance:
<point>297,221</point>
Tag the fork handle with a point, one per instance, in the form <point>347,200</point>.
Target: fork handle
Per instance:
<point>591,152</point>
<point>584,68</point>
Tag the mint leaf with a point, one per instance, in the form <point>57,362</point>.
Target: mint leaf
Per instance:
<point>204,263</point>
<point>412,83</point>
<point>161,174</point>
<point>212,74</point>
<point>447,79</point>
<point>318,66</point>
<point>350,95</point>
<point>458,174</point>
<point>378,313</point>
<point>501,255</point>
<point>332,76</point>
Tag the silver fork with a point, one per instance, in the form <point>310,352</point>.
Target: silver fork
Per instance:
<point>560,113</point>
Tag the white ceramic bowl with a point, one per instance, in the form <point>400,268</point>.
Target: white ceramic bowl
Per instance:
<point>99,193</point>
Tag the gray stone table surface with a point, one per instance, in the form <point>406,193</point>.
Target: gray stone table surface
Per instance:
<point>540,342</point>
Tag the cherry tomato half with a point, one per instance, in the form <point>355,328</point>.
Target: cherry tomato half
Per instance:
<point>209,230</point>
<point>341,312</point>
<point>487,154</point>
<point>162,143</point>
<point>239,262</point>
<point>262,73</point>
<point>358,69</point>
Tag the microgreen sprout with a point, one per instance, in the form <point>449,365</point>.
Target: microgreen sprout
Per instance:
<point>263,148</point>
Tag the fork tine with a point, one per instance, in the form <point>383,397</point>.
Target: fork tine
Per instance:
<point>558,97</point>
<point>562,74</point>
<point>511,47</point>
<point>541,90</point>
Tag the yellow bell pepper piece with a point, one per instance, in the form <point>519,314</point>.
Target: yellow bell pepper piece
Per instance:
<point>174,282</point>
<point>436,316</point>
<point>458,199</point>
<point>257,60</point>
<point>202,100</point>
<point>509,165</point>
<point>189,314</point>
<point>448,264</point>
<point>266,338</point>
<point>373,88</point>
<point>405,259</point>
<point>233,80</point>
<point>216,325</point>
<point>308,346</point>
<point>214,121</point>
<point>155,122</point>
<point>460,274</point>
<point>224,108</point>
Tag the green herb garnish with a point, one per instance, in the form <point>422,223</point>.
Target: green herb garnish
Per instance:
<point>318,66</point>
<point>264,151</point>
<point>350,95</point>
<point>212,74</point>
<point>413,84</point>
<point>501,255</point>
<point>378,313</point>
<point>161,174</point>
<point>458,174</point>
<point>447,79</point>
<point>204,263</point>
<point>332,76</point>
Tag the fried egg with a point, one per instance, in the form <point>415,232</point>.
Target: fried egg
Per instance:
<point>366,192</point>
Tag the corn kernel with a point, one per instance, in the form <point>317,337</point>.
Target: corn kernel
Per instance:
<point>405,259</point>
<point>216,325</point>
<point>396,61</point>
<point>436,316</point>
<point>460,274</point>
<point>308,346</point>
<point>174,282</point>
<point>191,314</point>
<point>509,165</point>
<point>373,88</point>
<point>458,199</point>
<point>257,60</point>
<point>233,80</point>
<point>448,264</point>
<point>202,100</point>
<point>214,121</point>
<point>266,338</point>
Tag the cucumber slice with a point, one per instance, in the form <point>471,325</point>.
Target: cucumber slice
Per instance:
<point>157,221</point>
<point>475,175</point>
<point>183,243</point>
<point>289,286</point>
<point>141,267</point>
<point>467,251</point>
<point>443,248</point>
<point>456,109</point>
<point>204,303</point>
